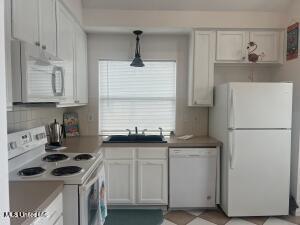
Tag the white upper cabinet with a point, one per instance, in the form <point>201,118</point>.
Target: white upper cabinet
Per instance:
<point>47,26</point>
<point>25,20</point>
<point>201,74</point>
<point>232,46</point>
<point>270,44</point>
<point>81,77</point>
<point>65,50</point>
<point>34,21</point>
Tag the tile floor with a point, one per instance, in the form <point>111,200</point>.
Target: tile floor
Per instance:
<point>217,217</point>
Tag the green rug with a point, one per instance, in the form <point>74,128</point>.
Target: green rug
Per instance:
<point>134,217</point>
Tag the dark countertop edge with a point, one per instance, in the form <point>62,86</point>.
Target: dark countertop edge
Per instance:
<point>43,205</point>
<point>144,145</point>
<point>171,144</point>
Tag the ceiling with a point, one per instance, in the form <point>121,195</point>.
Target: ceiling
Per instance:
<point>207,5</point>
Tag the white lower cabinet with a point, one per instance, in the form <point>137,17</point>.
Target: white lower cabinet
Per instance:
<point>54,213</point>
<point>152,182</point>
<point>136,176</point>
<point>120,181</point>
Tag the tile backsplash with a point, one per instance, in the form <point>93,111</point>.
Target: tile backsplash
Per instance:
<point>29,116</point>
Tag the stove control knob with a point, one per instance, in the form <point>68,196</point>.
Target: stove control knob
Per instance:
<point>40,136</point>
<point>13,145</point>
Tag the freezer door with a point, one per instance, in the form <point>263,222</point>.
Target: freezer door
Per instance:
<point>259,172</point>
<point>260,105</point>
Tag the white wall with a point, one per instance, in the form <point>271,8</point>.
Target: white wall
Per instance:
<point>167,47</point>
<point>26,116</point>
<point>95,18</point>
<point>291,72</point>
<point>4,193</point>
<point>241,73</point>
<point>173,47</point>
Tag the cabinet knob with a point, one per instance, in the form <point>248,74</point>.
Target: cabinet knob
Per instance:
<point>244,57</point>
<point>37,43</point>
<point>44,47</point>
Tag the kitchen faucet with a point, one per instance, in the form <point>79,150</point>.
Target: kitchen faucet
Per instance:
<point>160,131</point>
<point>129,131</point>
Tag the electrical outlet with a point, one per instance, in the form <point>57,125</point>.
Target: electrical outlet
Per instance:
<point>91,117</point>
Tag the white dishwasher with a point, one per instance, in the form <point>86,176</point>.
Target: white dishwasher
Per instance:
<point>193,177</point>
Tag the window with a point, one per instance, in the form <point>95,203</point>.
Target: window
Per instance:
<point>143,97</point>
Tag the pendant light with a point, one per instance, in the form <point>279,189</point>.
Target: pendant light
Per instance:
<point>137,61</point>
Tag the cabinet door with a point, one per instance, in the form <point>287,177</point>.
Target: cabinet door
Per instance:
<point>65,50</point>
<point>81,67</point>
<point>48,25</point>
<point>25,20</point>
<point>232,46</point>
<point>120,181</point>
<point>269,44</point>
<point>202,69</point>
<point>152,182</point>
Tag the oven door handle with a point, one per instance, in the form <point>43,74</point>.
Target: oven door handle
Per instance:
<point>93,179</point>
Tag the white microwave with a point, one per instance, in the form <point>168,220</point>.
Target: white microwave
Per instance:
<point>36,75</point>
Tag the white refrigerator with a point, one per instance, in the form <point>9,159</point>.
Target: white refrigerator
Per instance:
<point>253,120</point>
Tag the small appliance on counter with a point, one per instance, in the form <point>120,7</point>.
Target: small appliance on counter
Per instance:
<point>56,131</point>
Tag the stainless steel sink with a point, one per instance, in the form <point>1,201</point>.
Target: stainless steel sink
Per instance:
<point>136,138</point>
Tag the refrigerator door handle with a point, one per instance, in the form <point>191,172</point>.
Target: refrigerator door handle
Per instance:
<point>232,150</point>
<point>232,110</point>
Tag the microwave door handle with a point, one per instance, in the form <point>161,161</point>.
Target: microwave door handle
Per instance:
<point>54,83</point>
<point>62,83</point>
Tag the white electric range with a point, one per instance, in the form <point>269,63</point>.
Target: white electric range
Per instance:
<point>84,196</point>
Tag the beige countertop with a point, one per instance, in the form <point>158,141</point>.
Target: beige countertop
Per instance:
<point>32,196</point>
<point>82,144</point>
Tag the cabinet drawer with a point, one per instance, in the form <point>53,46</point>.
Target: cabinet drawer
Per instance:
<point>152,153</point>
<point>119,153</point>
<point>55,209</point>
<point>54,212</point>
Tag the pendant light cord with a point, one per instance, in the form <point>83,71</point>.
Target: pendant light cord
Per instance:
<point>137,47</point>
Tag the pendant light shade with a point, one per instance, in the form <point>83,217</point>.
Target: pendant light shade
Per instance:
<point>137,61</point>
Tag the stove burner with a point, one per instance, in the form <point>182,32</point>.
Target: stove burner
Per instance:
<point>55,157</point>
<point>83,157</point>
<point>65,171</point>
<point>31,171</point>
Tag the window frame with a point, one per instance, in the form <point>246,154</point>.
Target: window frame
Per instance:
<point>124,132</point>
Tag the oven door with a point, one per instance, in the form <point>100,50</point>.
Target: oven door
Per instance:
<point>92,195</point>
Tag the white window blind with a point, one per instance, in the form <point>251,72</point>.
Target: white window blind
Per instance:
<point>143,97</point>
